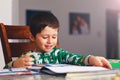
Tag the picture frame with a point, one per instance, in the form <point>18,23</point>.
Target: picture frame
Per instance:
<point>79,23</point>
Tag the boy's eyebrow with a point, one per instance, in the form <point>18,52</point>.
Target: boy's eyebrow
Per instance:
<point>49,34</point>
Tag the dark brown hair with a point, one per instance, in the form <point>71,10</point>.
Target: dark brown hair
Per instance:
<point>39,21</point>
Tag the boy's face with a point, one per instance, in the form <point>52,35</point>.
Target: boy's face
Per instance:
<point>47,39</point>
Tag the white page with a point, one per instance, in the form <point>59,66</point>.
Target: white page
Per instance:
<point>74,68</point>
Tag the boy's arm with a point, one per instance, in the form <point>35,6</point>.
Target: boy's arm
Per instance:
<point>10,64</point>
<point>86,61</point>
<point>77,59</point>
<point>99,61</point>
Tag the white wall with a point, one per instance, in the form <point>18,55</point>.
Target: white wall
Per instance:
<point>6,11</point>
<point>6,18</point>
<point>2,62</point>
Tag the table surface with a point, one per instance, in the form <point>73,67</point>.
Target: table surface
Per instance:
<point>34,77</point>
<point>86,76</point>
<point>56,77</point>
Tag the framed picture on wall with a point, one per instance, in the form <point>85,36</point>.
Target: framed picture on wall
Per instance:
<point>30,13</point>
<point>79,23</point>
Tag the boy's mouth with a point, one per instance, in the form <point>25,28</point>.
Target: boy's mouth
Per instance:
<point>48,46</point>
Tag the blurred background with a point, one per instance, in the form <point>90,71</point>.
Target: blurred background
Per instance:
<point>103,17</point>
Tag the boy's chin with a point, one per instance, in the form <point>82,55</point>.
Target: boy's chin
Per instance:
<point>48,50</point>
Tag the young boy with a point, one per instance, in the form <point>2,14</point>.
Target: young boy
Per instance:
<point>44,28</point>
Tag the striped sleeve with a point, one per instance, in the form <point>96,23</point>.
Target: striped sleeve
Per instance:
<point>72,58</point>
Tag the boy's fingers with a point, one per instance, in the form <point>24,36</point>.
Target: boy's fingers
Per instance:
<point>29,63</point>
<point>28,59</point>
<point>106,64</point>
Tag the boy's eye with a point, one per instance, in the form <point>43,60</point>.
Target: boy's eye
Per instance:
<point>54,37</point>
<point>45,37</point>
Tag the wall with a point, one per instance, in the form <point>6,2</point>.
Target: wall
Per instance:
<point>5,17</point>
<point>95,42</point>
<point>6,11</point>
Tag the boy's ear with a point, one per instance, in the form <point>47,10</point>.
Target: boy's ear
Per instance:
<point>31,37</point>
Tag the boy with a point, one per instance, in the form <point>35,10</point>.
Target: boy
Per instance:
<point>44,28</point>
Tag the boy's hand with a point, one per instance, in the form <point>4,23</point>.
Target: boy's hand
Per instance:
<point>99,61</point>
<point>25,61</point>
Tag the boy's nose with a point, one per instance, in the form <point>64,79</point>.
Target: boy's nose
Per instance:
<point>49,40</point>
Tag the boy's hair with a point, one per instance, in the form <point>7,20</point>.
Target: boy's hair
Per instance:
<point>39,21</point>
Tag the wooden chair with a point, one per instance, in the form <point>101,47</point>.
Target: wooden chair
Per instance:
<point>9,35</point>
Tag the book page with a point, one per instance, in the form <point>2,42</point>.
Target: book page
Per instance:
<point>73,68</point>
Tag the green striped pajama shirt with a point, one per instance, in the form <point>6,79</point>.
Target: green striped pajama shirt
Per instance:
<point>57,56</point>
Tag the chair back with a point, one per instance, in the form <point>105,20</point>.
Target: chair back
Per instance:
<point>15,40</point>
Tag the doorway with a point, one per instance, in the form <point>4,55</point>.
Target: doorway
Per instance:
<point>112,34</point>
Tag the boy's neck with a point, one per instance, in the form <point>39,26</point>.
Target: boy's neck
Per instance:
<point>38,50</point>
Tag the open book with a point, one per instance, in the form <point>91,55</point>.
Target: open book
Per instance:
<point>65,68</point>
